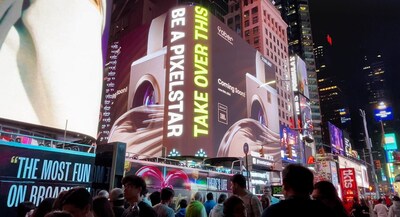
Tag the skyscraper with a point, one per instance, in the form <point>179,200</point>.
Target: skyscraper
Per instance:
<point>374,74</point>
<point>296,14</point>
<point>262,27</point>
<point>332,100</point>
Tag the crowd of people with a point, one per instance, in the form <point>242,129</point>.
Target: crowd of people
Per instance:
<point>301,198</point>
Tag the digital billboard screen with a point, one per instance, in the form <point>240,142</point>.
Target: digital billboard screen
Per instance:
<point>385,114</point>
<point>172,88</point>
<point>298,71</point>
<point>390,142</point>
<point>336,139</point>
<point>52,62</point>
<point>289,144</point>
<point>33,173</point>
<point>305,116</point>
<point>348,150</point>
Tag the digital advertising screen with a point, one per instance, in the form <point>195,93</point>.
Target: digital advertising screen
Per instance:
<point>384,114</point>
<point>184,181</point>
<point>348,150</point>
<point>298,71</point>
<point>390,142</point>
<point>52,62</point>
<point>336,138</point>
<point>33,173</point>
<point>172,88</point>
<point>289,144</point>
<point>305,116</point>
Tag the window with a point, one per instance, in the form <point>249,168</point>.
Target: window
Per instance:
<point>256,40</point>
<point>255,19</point>
<point>254,10</point>
<point>247,33</point>
<point>255,30</point>
<point>265,13</point>
<point>246,23</point>
<point>246,14</point>
<point>230,21</point>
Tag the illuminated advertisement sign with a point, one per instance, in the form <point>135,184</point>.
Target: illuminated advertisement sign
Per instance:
<point>185,181</point>
<point>336,138</point>
<point>54,63</point>
<point>289,144</point>
<point>305,117</point>
<point>348,150</point>
<point>298,72</point>
<point>182,95</point>
<point>390,142</point>
<point>385,114</point>
<point>360,170</point>
<point>348,184</point>
<point>33,173</point>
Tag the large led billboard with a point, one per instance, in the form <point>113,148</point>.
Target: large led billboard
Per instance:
<point>384,114</point>
<point>51,60</point>
<point>305,117</point>
<point>33,173</point>
<point>298,71</point>
<point>289,144</point>
<point>390,142</point>
<point>348,149</point>
<point>336,139</point>
<point>186,82</point>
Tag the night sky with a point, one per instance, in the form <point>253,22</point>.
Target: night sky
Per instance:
<point>358,27</point>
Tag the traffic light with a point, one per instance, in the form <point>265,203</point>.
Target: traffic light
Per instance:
<point>378,164</point>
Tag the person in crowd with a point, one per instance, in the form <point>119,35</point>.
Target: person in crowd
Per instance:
<point>210,203</point>
<point>182,208</point>
<point>103,193</point>
<point>44,207</point>
<point>394,210</point>
<point>267,191</point>
<point>58,213</point>
<point>251,201</point>
<point>218,210</point>
<point>326,192</point>
<point>102,207</point>
<point>196,207</point>
<point>117,201</point>
<point>57,205</point>
<point>133,187</point>
<point>155,198</point>
<point>234,207</point>
<point>297,187</point>
<point>360,209</point>
<point>24,208</point>
<point>145,197</point>
<point>78,202</point>
<point>162,209</point>
<point>381,209</point>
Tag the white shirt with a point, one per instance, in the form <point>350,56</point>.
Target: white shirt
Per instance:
<point>381,210</point>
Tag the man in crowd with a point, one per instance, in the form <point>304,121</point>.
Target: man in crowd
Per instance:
<point>210,203</point>
<point>251,201</point>
<point>133,190</point>
<point>297,187</point>
<point>162,209</point>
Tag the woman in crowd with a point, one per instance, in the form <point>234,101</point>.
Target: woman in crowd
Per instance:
<point>325,192</point>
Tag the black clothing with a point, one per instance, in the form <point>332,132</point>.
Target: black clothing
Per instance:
<point>297,206</point>
<point>144,211</point>
<point>118,211</point>
<point>360,210</point>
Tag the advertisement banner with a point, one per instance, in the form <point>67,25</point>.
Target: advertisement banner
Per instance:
<point>360,170</point>
<point>305,117</point>
<point>181,94</point>
<point>52,61</point>
<point>336,138</point>
<point>184,180</point>
<point>298,71</point>
<point>33,173</point>
<point>348,184</point>
<point>289,144</point>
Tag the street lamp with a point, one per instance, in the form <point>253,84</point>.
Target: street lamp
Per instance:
<point>369,145</point>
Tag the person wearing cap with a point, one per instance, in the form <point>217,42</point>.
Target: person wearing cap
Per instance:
<point>117,201</point>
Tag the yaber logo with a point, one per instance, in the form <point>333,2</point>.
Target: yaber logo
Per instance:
<point>225,35</point>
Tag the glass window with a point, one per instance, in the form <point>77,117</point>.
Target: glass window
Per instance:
<point>246,14</point>
<point>246,23</point>
<point>247,33</point>
<point>254,10</point>
<point>256,40</point>
<point>255,30</point>
<point>255,19</point>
